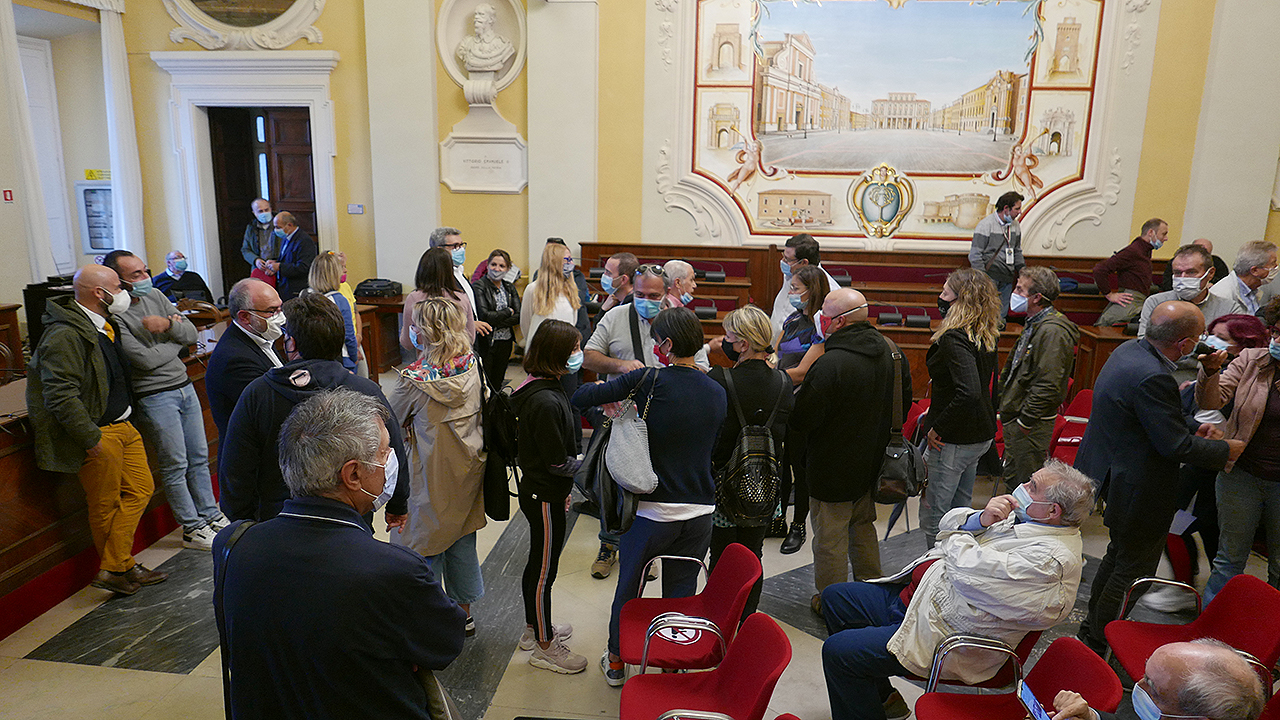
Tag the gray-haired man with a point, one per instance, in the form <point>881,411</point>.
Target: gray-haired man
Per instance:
<point>450,238</point>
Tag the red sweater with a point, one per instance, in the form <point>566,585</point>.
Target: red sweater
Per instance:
<point>1132,267</point>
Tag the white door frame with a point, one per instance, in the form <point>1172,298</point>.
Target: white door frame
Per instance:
<point>246,78</point>
<point>56,196</point>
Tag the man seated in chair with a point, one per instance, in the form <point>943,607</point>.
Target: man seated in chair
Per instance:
<point>176,278</point>
<point>1203,678</point>
<point>1005,571</point>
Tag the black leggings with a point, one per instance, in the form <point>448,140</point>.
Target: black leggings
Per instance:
<point>793,473</point>
<point>546,540</point>
<point>496,357</point>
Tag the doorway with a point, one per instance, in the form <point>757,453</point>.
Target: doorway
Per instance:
<point>259,152</point>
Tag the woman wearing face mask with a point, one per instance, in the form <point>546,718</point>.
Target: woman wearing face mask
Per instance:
<point>434,278</point>
<point>684,410</point>
<point>438,399</point>
<point>962,415</point>
<point>799,345</point>
<point>324,277</point>
<point>1248,490</point>
<point>553,294</point>
<point>498,304</point>
<point>548,459</point>
<point>762,393</point>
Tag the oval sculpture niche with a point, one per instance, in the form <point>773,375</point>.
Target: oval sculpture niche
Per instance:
<point>243,13</point>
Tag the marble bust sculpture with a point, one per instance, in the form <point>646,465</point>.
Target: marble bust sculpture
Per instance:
<point>485,51</point>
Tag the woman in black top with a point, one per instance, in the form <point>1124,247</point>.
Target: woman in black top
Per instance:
<point>760,391</point>
<point>548,459</point>
<point>962,415</point>
<point>498,304</point>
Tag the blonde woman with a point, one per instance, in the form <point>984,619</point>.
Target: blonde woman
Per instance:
<point>438,400</point>
<point>962,415</point>
<point>553,294</point>
<point>325,277</point>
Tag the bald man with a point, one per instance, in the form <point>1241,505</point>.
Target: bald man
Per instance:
<point>1133,444</point>
<point>245,352</point>
<point>844,409</point>
<point>1200,679</point>
<point>80,401</point>
<point>297,251</point>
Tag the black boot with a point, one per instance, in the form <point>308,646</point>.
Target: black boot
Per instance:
<point>795,539</point>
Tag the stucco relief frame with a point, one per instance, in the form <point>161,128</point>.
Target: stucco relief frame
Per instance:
<point>456,14</point>
<point>1105,190</point>
<point>293,24</point>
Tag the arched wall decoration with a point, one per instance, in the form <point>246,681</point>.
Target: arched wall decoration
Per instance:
<point>454,23</point>
<point>292,25</point>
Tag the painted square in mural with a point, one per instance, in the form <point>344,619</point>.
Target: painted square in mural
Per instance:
<point>796,100</point>
<point>243,13</point>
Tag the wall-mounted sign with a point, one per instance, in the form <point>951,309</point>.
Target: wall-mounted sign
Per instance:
<point>483,164</point>
<point>8,196</point>
<point>97,174</point>
<point>97,228</point>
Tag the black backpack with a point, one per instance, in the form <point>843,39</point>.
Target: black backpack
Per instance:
<point>747,485</point>
<point>501,435</point>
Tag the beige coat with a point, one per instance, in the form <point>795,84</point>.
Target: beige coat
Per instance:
<point>1248,381</point>
<point>443,433</point>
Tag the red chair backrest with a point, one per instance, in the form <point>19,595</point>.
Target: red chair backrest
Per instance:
<point>1243,615</point>
<point>745,680</point>
<point>1271,711</point>
<point>729,586</point>
<point>917,409</point>
<point>1068,664</point>
<point>1081,405</point>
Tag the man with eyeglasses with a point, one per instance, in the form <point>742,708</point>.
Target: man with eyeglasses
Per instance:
<point>1203,679</point>
<point>246,349</point>
<point>800,250</point>
<point>1193,276</point>
<point>1249,286</point>
<point>450,238</point>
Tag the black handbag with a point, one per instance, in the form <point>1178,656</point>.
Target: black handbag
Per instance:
<point>617,506</point>
<point>902,472</point>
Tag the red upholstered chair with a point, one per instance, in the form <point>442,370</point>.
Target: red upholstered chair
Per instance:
<point>1067,664</point>
<point>1243,615</point>
<point>1005,675</point>
<point>709,619</point>
<point>739,688</point>
<point>912,421</point>
<point>1272,709</point>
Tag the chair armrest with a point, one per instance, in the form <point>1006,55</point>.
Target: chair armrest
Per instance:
<point>677,620</point>
<point>1264,674</point>
<point>955,642</point>
<point>644,576</point>
<point>1124,608</point>
<point>693,715</point>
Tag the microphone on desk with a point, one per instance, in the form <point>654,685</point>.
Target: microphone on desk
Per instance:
<point>708,275</point>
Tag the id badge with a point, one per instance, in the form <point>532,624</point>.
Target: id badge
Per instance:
<point>1008,256</point>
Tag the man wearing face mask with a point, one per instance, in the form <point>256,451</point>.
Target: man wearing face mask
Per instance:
<point>285,590</point>
<point>176,278</point>
<point>616,283</point>
<point>1248,287</point>
<point>248,467</point>
<point>683,283</point>
<point>800,250</point>
<point>1131,266</point>
<point>844,407</point>
<point>1009,569</point>
<point>1204,679</point>
<point>1193,276</point>
<point>1135,439</point>
<point>261,246</point>
<point>169,415</point>
<point>246,349</point>
<point>80,404</point>
<point>997,246</point>
<point>297,251</point>
<point>450,239</point>
<point>1220,269</point>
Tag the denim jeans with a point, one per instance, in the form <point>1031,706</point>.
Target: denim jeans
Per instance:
<point>646,540</point>
<point>173,425</point>
<point>1244,501</point>
<point>1005,290</point>
<point>952,472</point>
<point>458,570</point>
<point>860,617</point>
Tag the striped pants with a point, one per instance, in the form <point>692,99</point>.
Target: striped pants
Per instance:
<point>546,540</point>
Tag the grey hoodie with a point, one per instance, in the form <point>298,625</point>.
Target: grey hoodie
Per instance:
<point>154,359</point>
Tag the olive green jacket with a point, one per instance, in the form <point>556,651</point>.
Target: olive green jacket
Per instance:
<point>67,387</point>
<point>1034,381</point>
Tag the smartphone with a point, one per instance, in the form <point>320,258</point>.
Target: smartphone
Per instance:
<point>1034,708</point>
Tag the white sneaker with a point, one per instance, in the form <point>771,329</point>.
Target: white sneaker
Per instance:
<point>219,523</point>
<point>561,633</point>
<point>201,539</point>
<point>557,658</point>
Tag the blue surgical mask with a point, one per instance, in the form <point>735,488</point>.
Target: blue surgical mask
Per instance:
<point>1025,501</point>
<point>1017,303</point>
<point>1274,349</point>
<point>1157,243</point>
<point>281,234</point>
<point>575,362</point>
<point>1147,709</point>
<point>414,339</point>
<point>459,256</point>
<point>180,265</point>
<point>786,268</point>
<point>796,300</point>
<point>647,308</point>
<point>567,268</point>
<point>606,284</point>
<point>1215,342</point>
<point>141,288</point>
<point>686,298</point>
<point>263,217</point>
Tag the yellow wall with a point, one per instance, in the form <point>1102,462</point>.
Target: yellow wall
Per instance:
<point>1173,114</point>
<point>620,167</point>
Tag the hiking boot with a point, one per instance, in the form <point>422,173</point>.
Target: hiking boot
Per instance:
<point>795,539</point>
<point>605,561</point>
<point>199,539</point>
<point>557,658</point>
<point>529,640</point>
<point>895,708</point>
<point>614,676</point>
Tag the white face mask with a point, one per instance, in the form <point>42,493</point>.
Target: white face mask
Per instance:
<point>1188,287</point>
<point>391,471</point>
<point>120,302</point>
<point>274,327</point>
<point>1017,303</point>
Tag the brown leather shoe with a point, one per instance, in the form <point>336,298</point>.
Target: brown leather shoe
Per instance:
<point>141,575</point>
<point>119,584</point>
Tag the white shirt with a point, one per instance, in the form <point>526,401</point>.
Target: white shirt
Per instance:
<point>529,320</point>
<point>262,343</point>
<point>101,323</point>
<point>782,306</point>
<point>465,281</point>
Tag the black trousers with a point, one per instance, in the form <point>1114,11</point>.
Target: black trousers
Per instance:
<point>753,539</point>
<point>546,540</point>
<point>495,357</point>
<point>1130,555</point>
<point>793,475</point>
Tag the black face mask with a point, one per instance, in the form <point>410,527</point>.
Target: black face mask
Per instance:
<point>729,352</point>
<point>943,306</point>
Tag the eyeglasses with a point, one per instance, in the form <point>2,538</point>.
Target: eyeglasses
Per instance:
<point>267,313</point>
<point>454,246</point>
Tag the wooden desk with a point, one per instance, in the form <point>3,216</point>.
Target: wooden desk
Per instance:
<point>1096,345</point>
<point>10,337</point>
<point>381,337</point>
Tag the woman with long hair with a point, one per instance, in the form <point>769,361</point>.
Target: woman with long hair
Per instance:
<point>962,412</point>
<point>553,294</point>
<point>435,278</point>
<point>325,277</point>
<point>498,304</point>
<point>548,460</point>
<point>438,400</point>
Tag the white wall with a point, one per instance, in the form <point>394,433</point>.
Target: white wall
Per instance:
<point>82,105</point>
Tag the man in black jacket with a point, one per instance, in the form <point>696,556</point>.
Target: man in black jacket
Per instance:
<point>1135,439</point>
<point>297,251</point>
<point>844,407</point>
<point>248,468</point>
<point>317,618</point>
<point>244,353</point>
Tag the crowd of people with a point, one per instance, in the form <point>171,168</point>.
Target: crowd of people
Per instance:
<point>310,447</point>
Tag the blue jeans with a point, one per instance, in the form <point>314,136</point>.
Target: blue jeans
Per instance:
<point>1244,501</point>
<point>646,540</point>
<point>952,472</point>
<point>861,617</point>
<point>1005,290</point>
<point>458,570</point>
<point>173,424</point>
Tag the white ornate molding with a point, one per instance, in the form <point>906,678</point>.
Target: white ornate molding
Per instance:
<point>666,30</point>
<point>709,220</point>
<point>455,15</point>
<point>1086,204</point>
<point>111,5</point>
<point>293,24</point>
